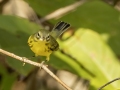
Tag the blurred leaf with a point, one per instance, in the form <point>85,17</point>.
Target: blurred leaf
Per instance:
<point>88,48</point>
<point>100,17</point>
<point>61,61</point>
<point>14,33</point>
<point>44,7</point>
<point>7,79</point>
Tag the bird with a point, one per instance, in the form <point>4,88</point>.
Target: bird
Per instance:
<point>44,42</point>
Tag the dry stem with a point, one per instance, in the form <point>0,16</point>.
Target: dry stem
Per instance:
<point>62,11</point>
<point>25,60</point>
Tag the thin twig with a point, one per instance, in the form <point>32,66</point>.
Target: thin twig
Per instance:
<point>62,11</point>
<point>108,83</point>
<point>25,60</point>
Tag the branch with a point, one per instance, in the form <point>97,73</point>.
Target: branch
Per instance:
<point>108,83</point>
<point>25,60</point>
<point>62,11</point>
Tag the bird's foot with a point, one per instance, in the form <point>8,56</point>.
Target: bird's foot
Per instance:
<point>23,58</point>
<point>42,63</point>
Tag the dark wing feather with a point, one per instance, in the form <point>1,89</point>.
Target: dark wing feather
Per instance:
<point>54,46</point>
<point>59,28</point>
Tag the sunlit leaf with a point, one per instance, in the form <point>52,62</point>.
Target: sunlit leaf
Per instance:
<point>89,49</point>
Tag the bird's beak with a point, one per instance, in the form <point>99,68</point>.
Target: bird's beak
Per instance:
<point>42,39</point>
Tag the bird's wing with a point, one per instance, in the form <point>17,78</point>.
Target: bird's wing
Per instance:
<point>59,28</point>
<point>54,46</point>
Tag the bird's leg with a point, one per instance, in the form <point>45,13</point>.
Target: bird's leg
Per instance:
<point>42,63</point>
<point>47,59</point>
<point>23,58</point>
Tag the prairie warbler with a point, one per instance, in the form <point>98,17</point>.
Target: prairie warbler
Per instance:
<point>44,42</point>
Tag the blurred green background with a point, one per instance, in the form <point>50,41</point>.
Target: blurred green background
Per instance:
<point>89,49</point>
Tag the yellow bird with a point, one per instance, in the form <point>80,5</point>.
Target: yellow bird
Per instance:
<point>43,42</point>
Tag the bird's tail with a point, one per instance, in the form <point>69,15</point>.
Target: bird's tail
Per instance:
<point>59,28</point>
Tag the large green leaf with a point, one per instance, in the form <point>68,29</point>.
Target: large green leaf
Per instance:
<point>89,49</point>
<point>14,33</point>
<point>100,17</point>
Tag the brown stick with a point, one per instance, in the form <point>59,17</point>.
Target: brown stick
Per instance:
<point>25,60</point>
<point>62,11</point>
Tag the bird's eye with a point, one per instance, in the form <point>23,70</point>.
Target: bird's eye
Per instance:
<point>38,35</point>
<point>48,38</point>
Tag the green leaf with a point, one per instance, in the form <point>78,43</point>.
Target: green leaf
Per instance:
<point>89,49</point>
<point>14,33</point>
<point>7,79</point>
<point>62,61</point>
<point>44,7</point>
<point>100,17</point>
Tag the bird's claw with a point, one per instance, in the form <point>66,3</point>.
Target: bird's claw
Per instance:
<point>23,58</point>
<point>41,64</point>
